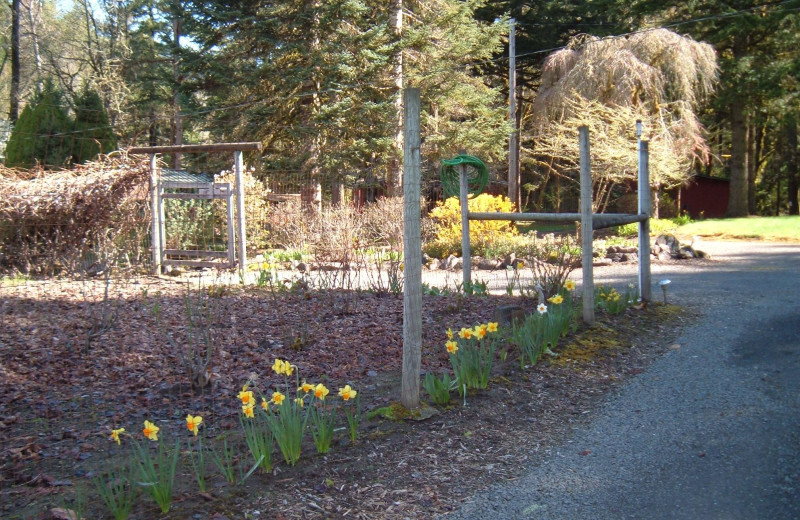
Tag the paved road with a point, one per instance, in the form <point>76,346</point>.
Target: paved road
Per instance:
<point>710,431</point>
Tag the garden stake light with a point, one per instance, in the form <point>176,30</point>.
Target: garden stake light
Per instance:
<point>663,284</point>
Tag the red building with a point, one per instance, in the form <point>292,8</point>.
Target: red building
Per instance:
<point>705,197</point>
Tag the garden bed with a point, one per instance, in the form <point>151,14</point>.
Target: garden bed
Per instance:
<point>62,390</point>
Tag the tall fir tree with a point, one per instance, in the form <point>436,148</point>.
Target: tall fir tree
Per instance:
<point>42,133</point>
<point>91,133</point>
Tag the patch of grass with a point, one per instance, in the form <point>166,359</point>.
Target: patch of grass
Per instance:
<point>785,228</point>
<point>547,227</point>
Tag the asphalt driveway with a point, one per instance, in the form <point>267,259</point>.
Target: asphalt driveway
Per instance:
<point>710,431</point>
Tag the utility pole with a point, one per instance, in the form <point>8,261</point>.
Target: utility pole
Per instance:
<point>513,141</point>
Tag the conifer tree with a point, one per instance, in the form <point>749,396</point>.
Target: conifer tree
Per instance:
<point>42,133</point>
<point>91,132</point>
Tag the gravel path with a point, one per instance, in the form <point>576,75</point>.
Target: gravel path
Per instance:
<point>711,430</point>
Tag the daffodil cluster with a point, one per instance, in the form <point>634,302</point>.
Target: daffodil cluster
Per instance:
<point>611,301</point>
<point>542,329</point>
<point>471,352</point>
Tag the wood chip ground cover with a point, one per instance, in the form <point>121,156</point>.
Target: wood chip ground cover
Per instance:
<point>60,395</point>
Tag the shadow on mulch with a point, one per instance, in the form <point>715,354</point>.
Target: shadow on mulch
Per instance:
<point>59,400</point>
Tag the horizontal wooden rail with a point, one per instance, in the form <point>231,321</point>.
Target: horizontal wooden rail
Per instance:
<point>599,220</point>
<point>196,253</point>
<point>198,148</point>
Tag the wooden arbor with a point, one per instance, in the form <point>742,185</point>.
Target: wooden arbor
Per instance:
<point>207,190</point>
<point>589,222</point>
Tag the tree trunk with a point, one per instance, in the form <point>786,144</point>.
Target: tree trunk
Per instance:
<point>737,204</point>
<point>393,175</point>
<point>792,173</point>
<point>752,164</point>
<point>337,193</point>
<point>177,137</point>
<point>33,21</point>
<point>13,103</point>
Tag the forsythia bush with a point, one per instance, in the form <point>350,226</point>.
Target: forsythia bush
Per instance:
<point>482,233</point>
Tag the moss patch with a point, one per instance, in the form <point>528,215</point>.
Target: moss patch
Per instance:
<point>608,339</point>
<point>587,345</point>
<point>397,412</point>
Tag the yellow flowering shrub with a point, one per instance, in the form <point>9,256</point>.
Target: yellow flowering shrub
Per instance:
<point>446,217</point>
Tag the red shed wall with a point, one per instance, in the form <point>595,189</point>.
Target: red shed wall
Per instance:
<point>705,197</point>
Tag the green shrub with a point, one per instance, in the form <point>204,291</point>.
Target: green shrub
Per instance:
<point>658,226</point>
<point>92,135</point>
<point>42,132</point>
<point>256,209</point>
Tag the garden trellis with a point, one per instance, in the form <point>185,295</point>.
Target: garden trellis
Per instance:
<point>203,191</point>
<point>589,222</point>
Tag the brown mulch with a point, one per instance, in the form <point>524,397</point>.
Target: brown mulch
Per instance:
<point>66,381</point>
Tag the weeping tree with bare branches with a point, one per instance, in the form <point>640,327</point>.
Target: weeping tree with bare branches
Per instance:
<point>657,76</point>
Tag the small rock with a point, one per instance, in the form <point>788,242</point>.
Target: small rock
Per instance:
<point>507,315</point>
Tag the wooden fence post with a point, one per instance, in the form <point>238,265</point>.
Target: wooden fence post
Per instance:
<point>412,252</point>
<point>240,224</point>
<point>155,213</point>
<point>645,285</point>
<point>586,226</point>
<point>463,197</point>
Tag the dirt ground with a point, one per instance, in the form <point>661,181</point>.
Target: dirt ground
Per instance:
<point>72,368</point>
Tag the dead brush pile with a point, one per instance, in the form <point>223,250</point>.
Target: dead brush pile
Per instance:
<point>66,221</point>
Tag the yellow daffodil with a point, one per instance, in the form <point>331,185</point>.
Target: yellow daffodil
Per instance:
<point>278,398</point>
<point>193,423</point>
<point>519,265</point>
<point>299,401</point>
<point>115,435</point>
<point>282,367</point>
<point>452,347</point>
<point>480,331</point>
<point>491,326</point>
<point>264,404</point>
<point>465,333</point>
<point>556,300</point>
<point>449,333</point>
<point>247,397</point>
<point>278,366</point>
<point>150,431</point>
<point>320,392</point>
<point>542,308</point>
<point>306,387</point>
<point>248,410</point>
<point>347,393</point>
<point>569,285</point>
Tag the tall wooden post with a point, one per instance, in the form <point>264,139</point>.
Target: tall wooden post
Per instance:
<point>231,227</point>
<point>155,213</point>
<point>513,140</point>
<point>412,252</point>
<point>586,225</point>
<point>240,226</point>
<point>645,289</point>
<point>463,197</point>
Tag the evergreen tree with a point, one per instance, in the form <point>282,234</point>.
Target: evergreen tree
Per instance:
<point>42,133</point>
<point>91,132</point>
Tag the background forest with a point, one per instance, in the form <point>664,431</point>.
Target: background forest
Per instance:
<point>318,83</point>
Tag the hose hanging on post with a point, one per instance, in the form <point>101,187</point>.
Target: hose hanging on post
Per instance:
<point>477,175</point>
